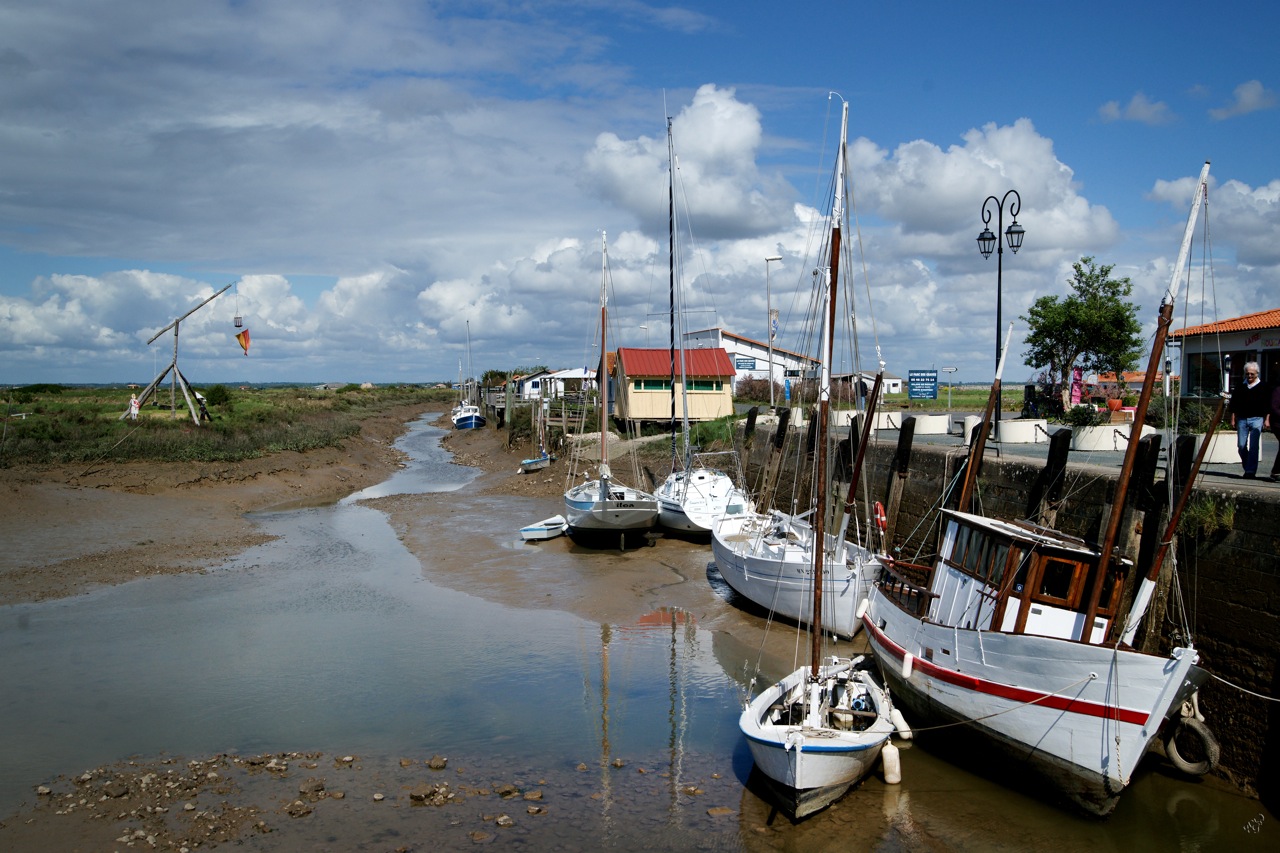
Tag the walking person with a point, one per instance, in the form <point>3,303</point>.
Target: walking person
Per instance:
<point>1250,409</point>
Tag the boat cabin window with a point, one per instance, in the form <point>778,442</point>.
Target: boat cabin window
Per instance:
<point>975,556</point>
<point>999,558</point>
<point>1109,600</point>
<point>1020,578</point>
<point>1057,581</point>
<point>956,557</point>
<point>979,555</point>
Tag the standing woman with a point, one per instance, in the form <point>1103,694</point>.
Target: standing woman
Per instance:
<point>1250,409</point>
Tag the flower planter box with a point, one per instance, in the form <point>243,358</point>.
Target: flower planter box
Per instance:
<point>888,420</point>
<point>1024,431</point>
<point>1222,448</point>
<point>1107,437</point>
<point>932,424</point>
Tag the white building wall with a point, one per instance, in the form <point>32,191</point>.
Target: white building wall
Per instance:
<point>750,358</point>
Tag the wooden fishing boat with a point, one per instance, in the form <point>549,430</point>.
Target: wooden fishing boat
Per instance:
<point>1017,632</point>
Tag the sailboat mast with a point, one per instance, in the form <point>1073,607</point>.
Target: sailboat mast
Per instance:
<point>680,457</point>
<point>824,402</point>
<point>604,359</point>
<point>471,368</point>
<point>978,443</point>
<point>671,286</point>
<point>1143,598</point>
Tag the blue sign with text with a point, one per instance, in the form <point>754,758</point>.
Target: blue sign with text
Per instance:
<point>922,384</point>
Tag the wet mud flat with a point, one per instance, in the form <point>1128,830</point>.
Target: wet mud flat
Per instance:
<point>653,762</point>
<point>315,801</point>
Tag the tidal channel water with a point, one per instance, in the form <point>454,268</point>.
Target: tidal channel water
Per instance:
<point>332,638</point>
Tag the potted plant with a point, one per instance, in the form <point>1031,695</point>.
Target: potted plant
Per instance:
<point>1091,430</point>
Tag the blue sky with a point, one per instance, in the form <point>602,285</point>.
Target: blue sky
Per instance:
<point>375,176</point>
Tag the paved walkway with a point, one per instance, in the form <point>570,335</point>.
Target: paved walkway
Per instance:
<point>1222,475</point>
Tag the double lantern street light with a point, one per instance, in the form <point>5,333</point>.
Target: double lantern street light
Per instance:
<point>988,242</point>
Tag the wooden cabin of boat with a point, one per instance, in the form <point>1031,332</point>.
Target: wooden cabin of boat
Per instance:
<point>1013,577</point>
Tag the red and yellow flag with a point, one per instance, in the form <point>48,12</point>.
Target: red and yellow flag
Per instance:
<point>243,338</point>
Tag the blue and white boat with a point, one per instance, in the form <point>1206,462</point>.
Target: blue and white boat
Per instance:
<point>467,416</point>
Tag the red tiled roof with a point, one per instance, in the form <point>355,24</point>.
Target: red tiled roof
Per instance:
<point>1131,377</point>
<point>612,361</point>
<point>1268,319</point>
<point>638,362</point>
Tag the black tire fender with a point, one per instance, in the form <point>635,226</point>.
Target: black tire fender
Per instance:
<point>1208,746</point>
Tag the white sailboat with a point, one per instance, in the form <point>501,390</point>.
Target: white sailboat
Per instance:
<point>601,506</point>
<point>1016,632</point>
<point>820,730</point>
<point>768,556</point>
<point>693,496</point>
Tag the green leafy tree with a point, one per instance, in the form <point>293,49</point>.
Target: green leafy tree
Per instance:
<point>492,378</point>
<point>1095,327</point>
<point>219,395</point>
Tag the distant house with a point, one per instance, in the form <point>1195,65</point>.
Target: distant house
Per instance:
<point>554,384</point>
<point>1105,384</point>
<point>1205,348</point>
<point>643,381</point>
<point>750,358</point>
<point>891,385</point>
<point>534,386</point>
<point>574,382</point>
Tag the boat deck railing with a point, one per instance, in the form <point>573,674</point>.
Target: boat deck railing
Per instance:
<point>907,585</point>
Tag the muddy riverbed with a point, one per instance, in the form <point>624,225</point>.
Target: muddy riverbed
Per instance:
<point>352,649</point>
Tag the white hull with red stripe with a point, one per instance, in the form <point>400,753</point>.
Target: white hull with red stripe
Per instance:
<point>1080,714</point>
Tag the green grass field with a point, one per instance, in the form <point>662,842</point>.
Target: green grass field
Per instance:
<point>53,424</point>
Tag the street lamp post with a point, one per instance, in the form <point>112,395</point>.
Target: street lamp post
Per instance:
<point>987,242</point>
<point>768,302</point>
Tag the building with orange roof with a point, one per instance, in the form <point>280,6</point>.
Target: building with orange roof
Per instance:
<point>1210,351</point>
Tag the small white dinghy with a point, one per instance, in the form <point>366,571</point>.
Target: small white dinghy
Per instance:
<point>548,528</point>
<point>815,737</point>
<point>537,463</point>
